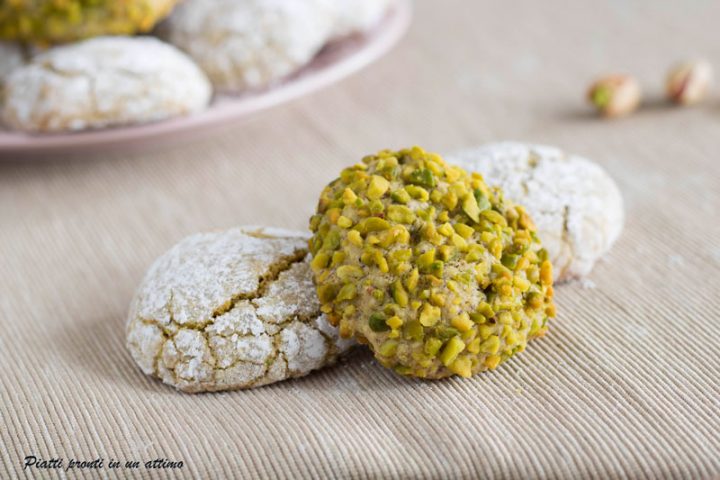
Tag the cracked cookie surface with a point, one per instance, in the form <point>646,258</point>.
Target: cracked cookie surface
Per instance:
<point>103,82</point>
<point>576,206</point>
<point>231,310</point>
<point>249,44</point>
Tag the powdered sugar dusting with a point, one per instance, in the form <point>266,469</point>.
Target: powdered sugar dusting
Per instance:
<point>252,43</point>
<point>303,346</point>
<point>215,313</point>
<point>576,206</point>
<point>11,57</point>
<point>293,294</point>
<point>202,273</point>
<point>101,82</point>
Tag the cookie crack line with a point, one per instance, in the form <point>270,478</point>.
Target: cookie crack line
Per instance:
<point>271,275</point>
<point>266,280</point>
<point>278,353</point>
<point>275,339</point>
<point>274,271</point>
<point>273,329</point>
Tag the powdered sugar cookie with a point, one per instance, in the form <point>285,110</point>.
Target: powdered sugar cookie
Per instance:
<point>103,82</point>
<point>252,43</point>
<point>576,206</point>
<point>11,56</point>
<point>229,310</point>
<point>352,16</point>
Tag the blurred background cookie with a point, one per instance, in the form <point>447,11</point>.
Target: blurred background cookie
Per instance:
<point>229,310</point>
<point>11,56</point>
<point>246,44</point>
<point>354,16</point>
<point>52,21</point>
<point>576,206</point>
<point>103,82</point>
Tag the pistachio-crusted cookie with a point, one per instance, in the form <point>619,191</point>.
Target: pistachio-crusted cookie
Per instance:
<point>53,21</point>
<point>102,82</point>
<point>251,43</point>
<point>577,207</point>
<point>229,310</point>
<point>438,273</point>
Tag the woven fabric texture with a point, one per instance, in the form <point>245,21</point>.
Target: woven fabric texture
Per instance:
<point>625,385</point>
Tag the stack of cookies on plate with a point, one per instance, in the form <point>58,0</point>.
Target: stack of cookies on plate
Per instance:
<point>82,64</point>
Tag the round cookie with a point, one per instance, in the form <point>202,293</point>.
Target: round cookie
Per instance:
<point>103,82</point>
<point>353,16</point>
<point>52,21</point>
<point>249,44</point>
<point>230,310</point>
<point>577,207</point>
<point>438,273</point>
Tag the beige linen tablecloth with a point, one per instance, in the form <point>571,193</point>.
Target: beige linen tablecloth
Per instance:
<point>624,385</point>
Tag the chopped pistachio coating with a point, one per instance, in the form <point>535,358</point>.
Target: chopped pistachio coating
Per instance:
<point>53,21</point>
<point>438,273</point>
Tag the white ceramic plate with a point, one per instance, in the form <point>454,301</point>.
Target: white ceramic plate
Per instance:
<point>334,62</point>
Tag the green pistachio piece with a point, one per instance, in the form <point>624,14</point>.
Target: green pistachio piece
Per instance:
<point>373,224</point>
<point>470,207</point>
<point>327,293</point>
<point>388,348</point>
<point>349,272</point>
<point>418,193</point>
<point>413,330</point>
<point>446,332</point>
<point>423,177</point>
<point>332,240</point>
<point>400,196</point>
<point>432,346</point>
<point>482,201</point>
<point>377,323</point>
<point>400,214</point>
<point>377,188</point>
<point>347,292</point>
<point>510,260</point>
<point>451,350</point>
<point>436,268</point>
<point>376,207</point>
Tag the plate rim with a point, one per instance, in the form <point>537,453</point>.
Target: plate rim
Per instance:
<point>226,109</point>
